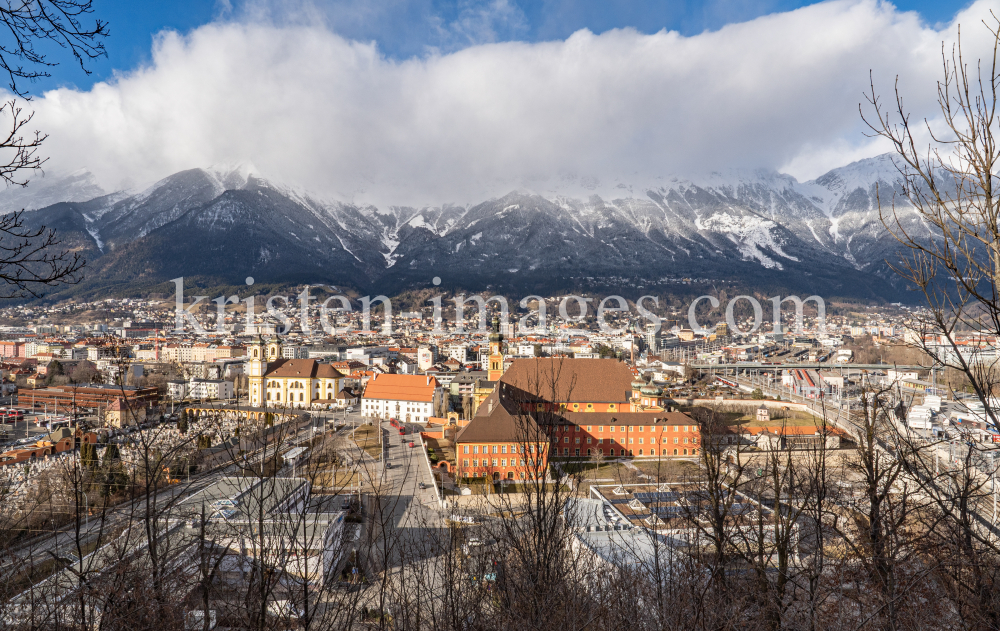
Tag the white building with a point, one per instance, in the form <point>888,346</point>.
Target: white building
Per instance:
<point>177,390</point>
<point>409,398</point>
<point>426,356</point>
<point>210,389</point>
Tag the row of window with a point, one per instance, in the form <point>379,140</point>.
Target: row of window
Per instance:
<point>514,462</point>
<point>631,428</point>
<point>498,449</point>
<point>298,385</point>
<point>630,452</point>
<point>631,440</point>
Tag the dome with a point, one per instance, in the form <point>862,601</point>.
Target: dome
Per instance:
<point>652,391</point>
<point>638,384</point>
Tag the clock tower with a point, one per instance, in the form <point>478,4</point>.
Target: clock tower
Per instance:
<point>495,370</point>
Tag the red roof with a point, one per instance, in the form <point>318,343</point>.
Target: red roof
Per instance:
<point>401,388</point>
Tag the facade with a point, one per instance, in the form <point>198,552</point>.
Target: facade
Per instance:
<point>210,389</point>
<point>409,398</point>
<point>426,356</point>
<point>280,382</point>
<point>630,434</point>
<point>121,414</point>
<point>176,390</point>
<point>92,396</point>
<point>577,408</point>
<point>500,444</point>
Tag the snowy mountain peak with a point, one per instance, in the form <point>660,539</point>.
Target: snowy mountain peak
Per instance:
<point>233,175</point>
<point>45,189</point>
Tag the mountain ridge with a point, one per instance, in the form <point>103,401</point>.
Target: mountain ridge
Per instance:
<point>748,227</point>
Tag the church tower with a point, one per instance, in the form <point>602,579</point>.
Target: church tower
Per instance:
<point>496,352</point>
<point>256,367</point>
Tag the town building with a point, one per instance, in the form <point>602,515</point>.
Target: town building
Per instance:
<point>277,381</point>
<point>210,389</point>
<point>409,398</point>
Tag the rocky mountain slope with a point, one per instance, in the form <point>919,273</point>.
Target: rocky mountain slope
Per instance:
<point>757,229</point>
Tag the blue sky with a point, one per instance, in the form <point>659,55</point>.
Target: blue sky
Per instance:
<point>406,28</point>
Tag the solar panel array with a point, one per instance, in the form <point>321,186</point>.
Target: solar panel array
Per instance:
<point>669,511</point>
<point>659,496</point>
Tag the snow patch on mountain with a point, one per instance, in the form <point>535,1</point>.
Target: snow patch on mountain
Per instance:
<point>751,235</point>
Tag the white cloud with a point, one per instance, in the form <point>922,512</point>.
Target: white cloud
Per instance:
<point>310,108</point>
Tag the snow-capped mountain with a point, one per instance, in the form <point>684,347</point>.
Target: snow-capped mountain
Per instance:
<point>758,228</point>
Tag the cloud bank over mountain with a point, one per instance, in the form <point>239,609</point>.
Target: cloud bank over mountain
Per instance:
<point>338,118</point>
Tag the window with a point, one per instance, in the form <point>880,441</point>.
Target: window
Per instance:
<point>577,428</point>
<point>685,452</point>
<point>676,427</point>
<point>675,441</point>
<point>503,449</point>
<point>612,452</point>
<point>522,464</point>
<point>465,449</point>
<point>465,462</point>
<point>685,428</point>
<point>495,460</point>
<point>565,439</point>
<point>590,428</point>
<point>577,451</point>
<point>588,452</point>
<point>577,440</point>
<point>612,429</point>
<point>640,440</point>
<point>475,448</point>
<point>685,441</point>
<point>675,452</point>
<point>695,440</point>
<point>495,447</point>
<point>640,428</point>
<point>630,428</point>
<point>503,462</point>
<point>600,428</point>
<point>475,461</point>
<point>631,440</point>
<point>664,452</point>
<point>600,441</point>
<point>664,441</point>
<point>640,452</point>
<point>566,451</point>
<point>588,440</point>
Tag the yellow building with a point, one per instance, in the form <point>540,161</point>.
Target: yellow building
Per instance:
<point>278,382</point>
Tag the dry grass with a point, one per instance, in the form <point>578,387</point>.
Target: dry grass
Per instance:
<point>330,479</point>
<point>367,438</point>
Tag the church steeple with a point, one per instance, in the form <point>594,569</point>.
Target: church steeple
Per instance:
<point>495,370</point>
<point>256,367</point>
